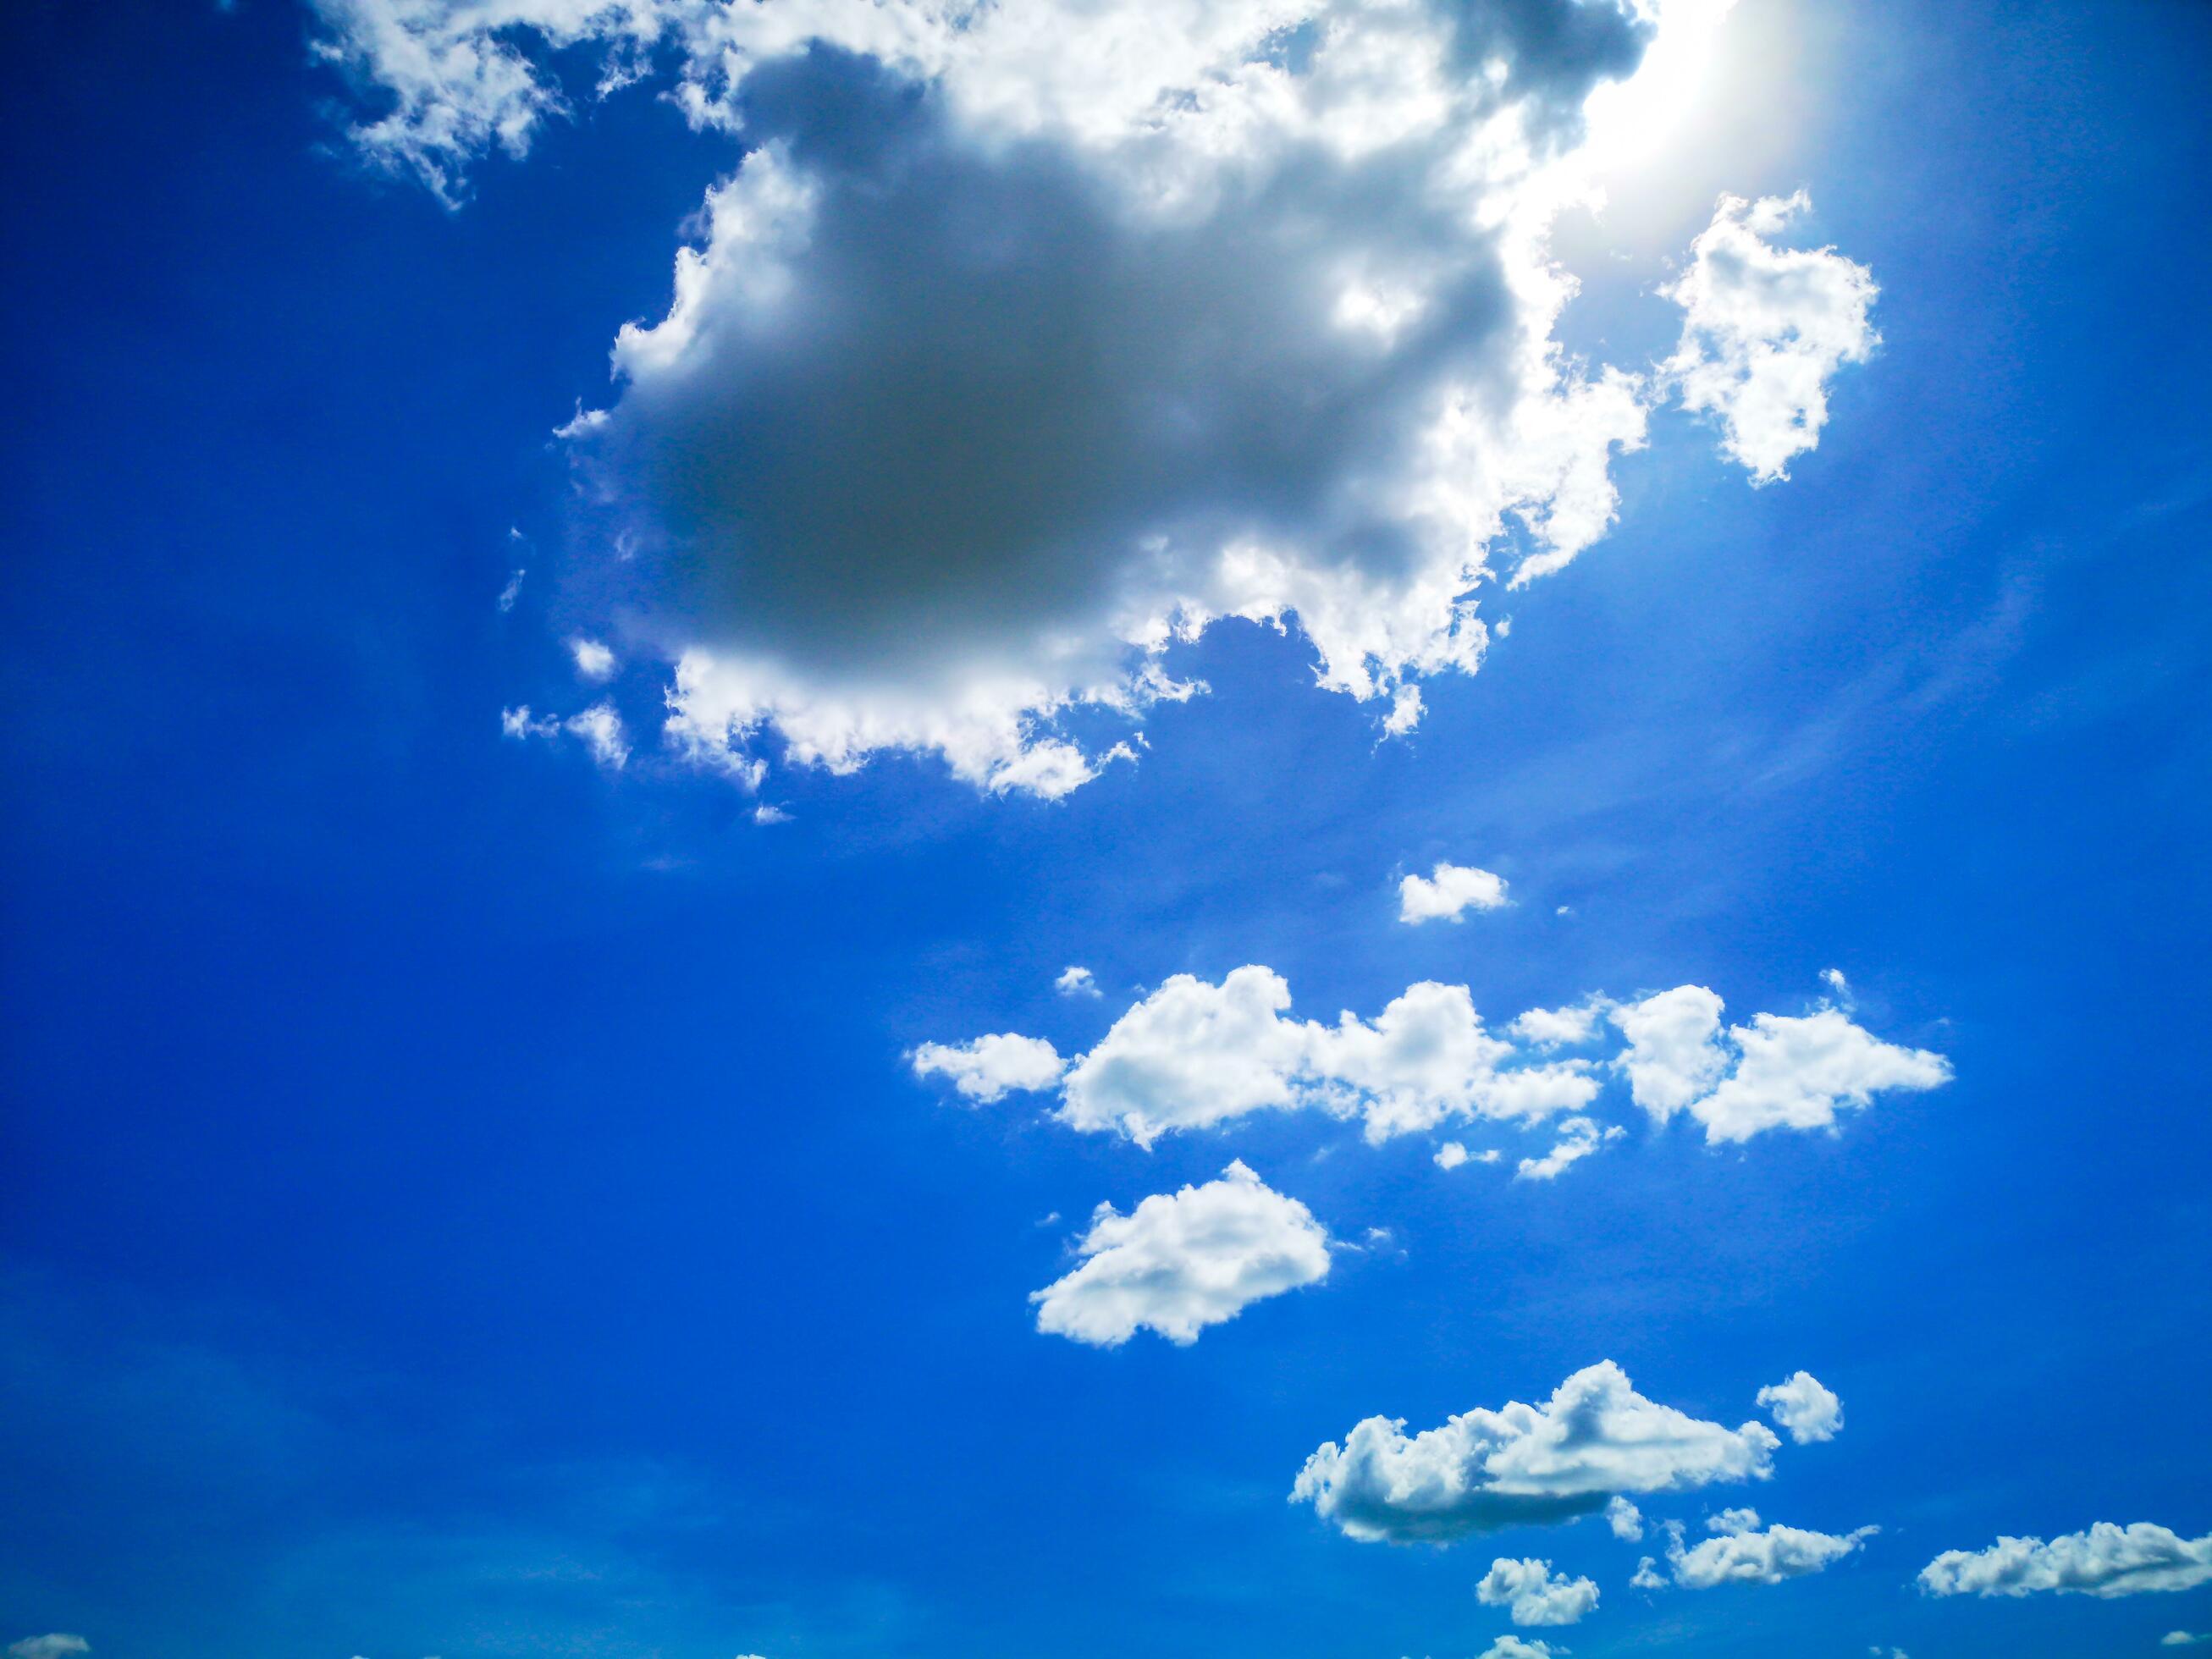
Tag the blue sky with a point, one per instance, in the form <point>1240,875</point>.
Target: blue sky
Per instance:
<point>460,1195</point>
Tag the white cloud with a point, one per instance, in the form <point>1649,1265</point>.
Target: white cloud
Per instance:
<point>1626,1519</point>
<point>1076,982</point>
<point>1794,1073</point>
<point>1450,891</point>
<point>1524,1465</point>
<point>1533,1594</point>
<point>601,729</point>
<point>1194,1054</point>
<point>2105,1561</point>
<point>2181,1639</point>
<point>1512,1647</point>
<point>1558,1027</point>
<point>594,662</point>
<point>1138,318</point>
<point>991,1067</point>
<point>1764,328</point>
<point>54,1646</point>
<point>1801,1404</point>
<point>1789,1072</point>
<point>1180,1262</point>
<point>1746,1553</point>
<point>1578,1138</point>
<point>1672,1056</point>
<point>511,592</point>
<point>768,813</point>
<point>1450,1155</point>
<point>1647,1576</point>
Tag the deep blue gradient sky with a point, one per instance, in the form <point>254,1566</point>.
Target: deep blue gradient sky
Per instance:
<point>455,1200</point>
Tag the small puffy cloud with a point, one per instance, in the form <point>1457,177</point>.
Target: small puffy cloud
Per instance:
<point>1801,1404</point>
<point>1450,1155</point>
<point>1744,1552</point>
<point>768,813</point>
<point>1180,1262</point>
<point>1626,1519</point>
<point>1533,1594</point>
<point>1524,1465</point>
<point>1512,1647</point>
<point>2181,1639</point>
<point>990,1066</point>
<point>594,662</point>
<point>1647,1576</point>
<point>601,729</point>
<point>1075,982</point>
<point>511,592</point>
<point>1795,1073</point>
<point>1448,893</point>
<point>1557,1028</point>
<point>1764,328</point>
<point>2106,1561</point>
<point>1578,1138</point>
<point>55,1645</point>
<point>1674,1052</point>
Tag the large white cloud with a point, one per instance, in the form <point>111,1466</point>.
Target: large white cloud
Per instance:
<point>1524,1465</point>
<point>1764,329</point>
<point>1024,342</point>
<point>2107,1561</point>
<point>1533,1594</point>
<point>1182,1261</point>
<point>1513,1647</point>
<point>1744,1552</point>
<point>1804,1406</point>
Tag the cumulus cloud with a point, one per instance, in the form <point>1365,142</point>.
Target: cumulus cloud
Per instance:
<point>1803,1406</point>
<point>1180,1262</point>
<point>1075,982</point>
<point>1764,328</point>
<point>1744,1552</point>
<point>1779,1071</point>
<point>601,729</point>
<point>1626,1519</point>
<point>2181,1639</point>
<point>992,1066</point>
<point>1533,1594</point>
<point>1512,1647</point>
<point>1449,892</point>
<point>1557,1028</point>
<point>594,662</point>
<point>1450,1155</point>
<point>55,1645</point>
<point>2106,1561</point>
<point>1023,343</point>
<point>1524,1465</point>
<point>1578,1138</point>
<point>1194,1054</point>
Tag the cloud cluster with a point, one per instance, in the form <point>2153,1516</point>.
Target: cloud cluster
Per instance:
<point>1533,1594</point>
<point>1801,1404</point>
<point>1180,1262</point>
<point>1194,1054</point>
<point>2107,1561</point>
<point>1025,341</point>
<point>1764,330</point>
<point>1524,1465</point>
